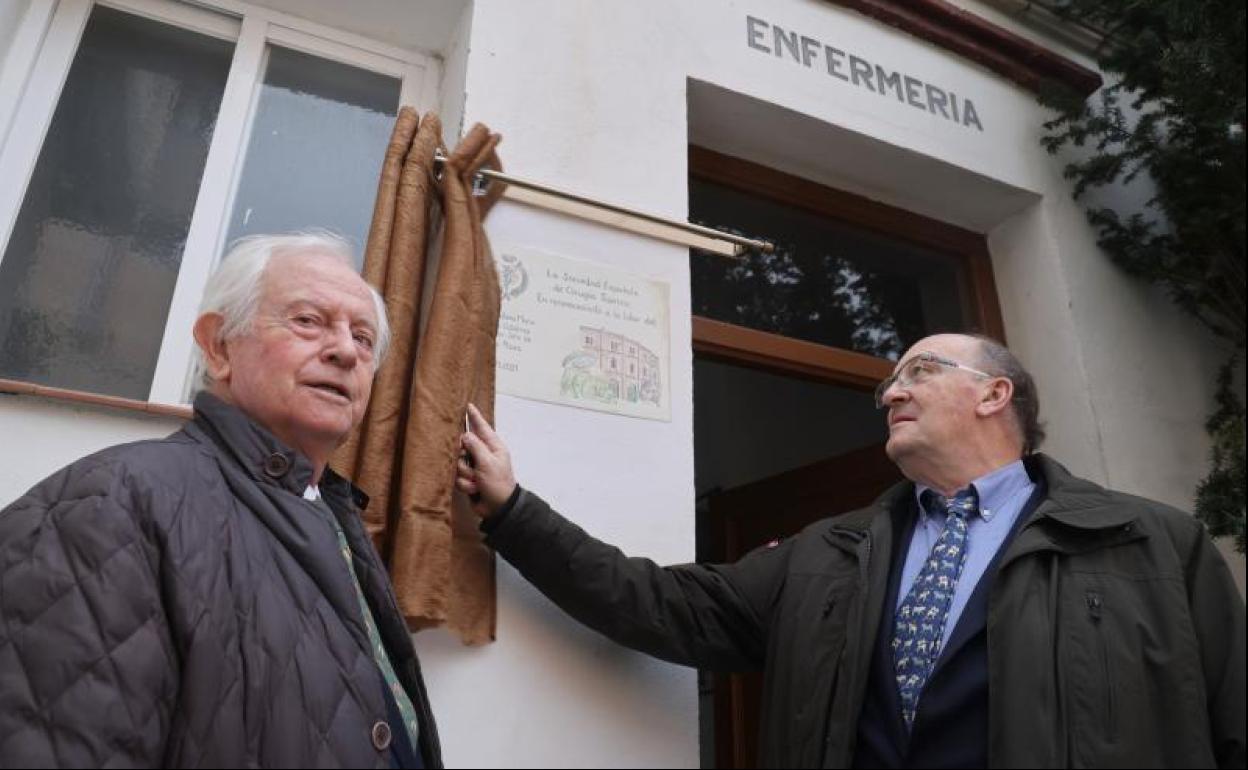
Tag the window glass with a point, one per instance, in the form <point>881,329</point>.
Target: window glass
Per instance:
<point>317,143</point>
<point>89,270</point>
<point>828,282</point>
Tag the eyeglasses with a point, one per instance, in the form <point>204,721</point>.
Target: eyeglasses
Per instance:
<point>918,369</point>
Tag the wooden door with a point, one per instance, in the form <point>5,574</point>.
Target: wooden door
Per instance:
<point>748,516</point>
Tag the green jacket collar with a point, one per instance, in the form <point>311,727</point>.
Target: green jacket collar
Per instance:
<point>1076,502</point>
<point>1076,514</point>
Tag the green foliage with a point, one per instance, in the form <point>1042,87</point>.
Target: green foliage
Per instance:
<point>1220,496</point>
<point>1174,112</point>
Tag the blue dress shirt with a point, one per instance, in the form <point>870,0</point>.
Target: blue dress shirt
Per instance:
<point>1002,495</point>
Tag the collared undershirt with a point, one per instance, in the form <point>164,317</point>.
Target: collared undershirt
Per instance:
<point>1002,495</point>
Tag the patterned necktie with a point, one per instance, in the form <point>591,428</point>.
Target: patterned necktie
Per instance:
<point>920,622</point>
<point>401,699</point>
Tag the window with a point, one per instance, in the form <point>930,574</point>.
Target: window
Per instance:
<point>89,266</point>
<point>827,281</point>
<point>150,135</point>
<point>852,282</point>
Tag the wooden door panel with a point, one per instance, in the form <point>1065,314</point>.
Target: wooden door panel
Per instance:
<point>772,508</point>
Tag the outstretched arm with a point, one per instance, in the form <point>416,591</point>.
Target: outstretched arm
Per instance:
<point>711,616</point>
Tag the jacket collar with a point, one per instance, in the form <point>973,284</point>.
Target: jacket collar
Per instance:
<point>1075,502</point>
<point>1076,514</point>
<point>265,458</point>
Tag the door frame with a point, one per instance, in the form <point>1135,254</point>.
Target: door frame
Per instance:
<point>735,344</point>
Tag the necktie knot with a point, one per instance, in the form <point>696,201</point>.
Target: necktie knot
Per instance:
<point>963,504</point>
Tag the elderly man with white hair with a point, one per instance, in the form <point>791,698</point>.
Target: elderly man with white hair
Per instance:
<point>211,598</point>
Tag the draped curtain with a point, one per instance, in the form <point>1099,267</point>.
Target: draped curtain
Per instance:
<point>404,452</point>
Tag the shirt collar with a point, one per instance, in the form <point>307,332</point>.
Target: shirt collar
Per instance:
<point>993,489</point>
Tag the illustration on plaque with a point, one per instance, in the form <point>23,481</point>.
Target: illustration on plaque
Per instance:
<point>582,334</point>
<point>609,368</point>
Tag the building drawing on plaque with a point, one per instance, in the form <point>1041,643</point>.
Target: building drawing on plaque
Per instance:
<point>582,334</point>
<point>610,367</point>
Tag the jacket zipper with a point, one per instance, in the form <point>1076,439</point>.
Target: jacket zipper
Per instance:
<point>1096,603</point>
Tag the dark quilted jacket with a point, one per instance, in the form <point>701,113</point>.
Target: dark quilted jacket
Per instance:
<point>176,603</point>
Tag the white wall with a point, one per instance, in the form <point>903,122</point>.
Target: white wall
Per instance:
<point>38,437</point>
<point>454,72</point>
<point>425,26</point>
<point>11,12</point>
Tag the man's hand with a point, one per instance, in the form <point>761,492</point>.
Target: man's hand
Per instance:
<point>489,475</point>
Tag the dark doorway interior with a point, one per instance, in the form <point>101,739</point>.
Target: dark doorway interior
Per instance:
<point>773,453</point>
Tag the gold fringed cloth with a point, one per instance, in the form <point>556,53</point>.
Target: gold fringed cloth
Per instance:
<point>403,455</point>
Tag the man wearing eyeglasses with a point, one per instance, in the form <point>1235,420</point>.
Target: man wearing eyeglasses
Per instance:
<point>992,611</point>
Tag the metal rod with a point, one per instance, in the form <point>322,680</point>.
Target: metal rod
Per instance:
<point>708,232</point>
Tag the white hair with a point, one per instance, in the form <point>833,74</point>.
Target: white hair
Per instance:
<point>233,291</point>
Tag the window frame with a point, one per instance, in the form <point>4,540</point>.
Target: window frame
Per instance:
<point>735,344</point>
<point>34,75</point>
